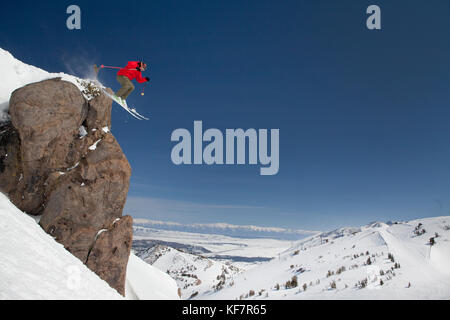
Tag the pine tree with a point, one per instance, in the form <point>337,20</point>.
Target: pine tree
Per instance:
<point>333,284</point>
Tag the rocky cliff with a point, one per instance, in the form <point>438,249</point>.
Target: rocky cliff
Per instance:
<point>59,160</point>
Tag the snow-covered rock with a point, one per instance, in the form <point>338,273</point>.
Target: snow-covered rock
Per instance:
<point>20,74</point>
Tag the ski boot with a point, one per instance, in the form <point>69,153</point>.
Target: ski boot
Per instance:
<point>120,100</point>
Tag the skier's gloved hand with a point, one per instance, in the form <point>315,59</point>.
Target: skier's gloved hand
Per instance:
<point>147,78</point>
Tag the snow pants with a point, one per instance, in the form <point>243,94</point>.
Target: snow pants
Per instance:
<point>127,87</point>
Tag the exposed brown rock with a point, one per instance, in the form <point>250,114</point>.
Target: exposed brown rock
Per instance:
<point>109,254</point>
<point>47,116</point>
<point>10,160</point>
<point>99,114</point>
<point>88,198</point>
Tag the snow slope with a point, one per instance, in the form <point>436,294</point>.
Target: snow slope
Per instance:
<point>194,274</point>
<point>19,74</point>
<point>145,282</point>
<point>378,261</point>
<point>34,266</point>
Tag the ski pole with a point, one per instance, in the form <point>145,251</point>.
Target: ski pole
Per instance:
<point>110,67</point>
<point>143,89</point>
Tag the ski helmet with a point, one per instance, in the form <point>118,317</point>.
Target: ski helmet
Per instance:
<point>143,65</point>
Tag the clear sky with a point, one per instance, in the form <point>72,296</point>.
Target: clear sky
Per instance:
<point>363,115</point>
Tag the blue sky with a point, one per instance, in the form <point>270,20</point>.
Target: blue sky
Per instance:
<point>363,115</point>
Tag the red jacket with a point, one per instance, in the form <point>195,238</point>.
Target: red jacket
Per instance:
<point>131,72</point>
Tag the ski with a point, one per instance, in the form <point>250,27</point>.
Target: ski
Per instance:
<point>131,111</point>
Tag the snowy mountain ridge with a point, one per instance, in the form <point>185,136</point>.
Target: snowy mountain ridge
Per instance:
<point>404,260</point>
<point>226,229</point>
<point>394,260</point>
<point>194,274</point>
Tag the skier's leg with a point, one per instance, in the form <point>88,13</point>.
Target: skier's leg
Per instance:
<point>130,90</point>
<point>122,89</point>
<point>126,84</point>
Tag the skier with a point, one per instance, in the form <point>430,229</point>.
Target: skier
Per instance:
<point>126,75</point>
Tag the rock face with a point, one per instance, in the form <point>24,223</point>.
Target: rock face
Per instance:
<point>109,255</point>
<point>59,160</point>
<point>47,116</point>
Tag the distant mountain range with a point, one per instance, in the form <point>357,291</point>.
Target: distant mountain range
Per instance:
<point>237,231</point>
